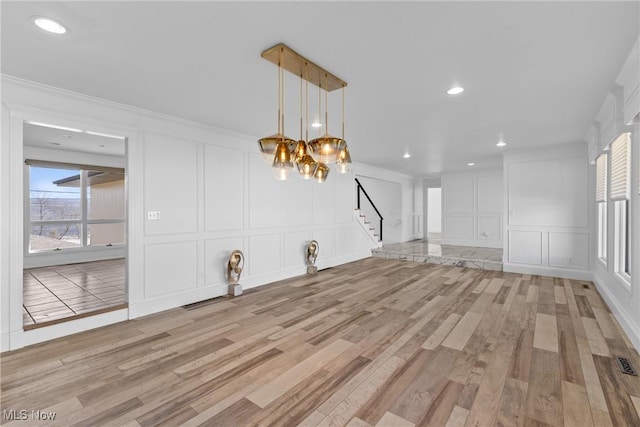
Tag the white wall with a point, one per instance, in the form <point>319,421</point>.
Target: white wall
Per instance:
<point>214,194</point>
<point>547,211</point>
<point>5,235</point>
<point>620,112</point>
<point>398,197</point>
<point>472,208</point>
<point>434,210</point>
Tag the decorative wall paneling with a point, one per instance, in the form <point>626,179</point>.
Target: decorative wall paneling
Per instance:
<point>546,204</point>
<point>629,79</point>
<point>472,208</point>
<point>214,194</point>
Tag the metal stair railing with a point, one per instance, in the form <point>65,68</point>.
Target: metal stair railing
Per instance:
<point>361,189</point>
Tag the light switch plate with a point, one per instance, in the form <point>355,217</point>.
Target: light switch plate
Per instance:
<point>151,215</point>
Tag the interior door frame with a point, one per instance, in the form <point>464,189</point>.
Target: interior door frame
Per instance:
<point>18,115</point>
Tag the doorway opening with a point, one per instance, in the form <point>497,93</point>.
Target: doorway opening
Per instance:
<point>74,224</point>
<point>434,215</point>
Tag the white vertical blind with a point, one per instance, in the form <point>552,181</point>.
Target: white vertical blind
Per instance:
<point>620,159</point>
<point>601,178</point>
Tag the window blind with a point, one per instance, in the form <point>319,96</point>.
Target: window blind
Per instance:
<point>601,178</point>
<point>620,157</point>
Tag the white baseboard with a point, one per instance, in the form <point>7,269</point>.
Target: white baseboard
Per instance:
<point>630,328</point>
<point>22,338</point>
<point>167,302</point>
<point>537,270</point>
<point>4,341</point>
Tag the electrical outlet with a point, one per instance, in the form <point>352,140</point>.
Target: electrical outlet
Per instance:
<point>152,215</point>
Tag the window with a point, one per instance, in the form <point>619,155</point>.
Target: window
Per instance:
<point>619,195</point>
<point>74,206</point>
<point>601,200</point>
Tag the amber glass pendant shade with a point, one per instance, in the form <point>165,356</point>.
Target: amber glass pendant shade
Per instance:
<point>269,144</point>
<point>326,147</point>
<point>343,163</point>
<point>300,151</point>
<point>282,164</point>
<point>321,173</point>
<point>307,167</point>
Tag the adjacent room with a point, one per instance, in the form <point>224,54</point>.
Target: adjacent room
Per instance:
<point>366,213</point>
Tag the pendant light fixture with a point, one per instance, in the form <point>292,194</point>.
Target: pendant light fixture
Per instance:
<point>311,158</point>
<point>326,147</point>
<point>307,165</point>
<point>343,161</point>
<point>269,144</point>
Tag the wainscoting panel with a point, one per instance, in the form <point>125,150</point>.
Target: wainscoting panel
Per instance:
<point>264,253</point>
<point>525,247</point>
<point>458,227</point>
<point>323,202</point>
<point>344,191</point>
<point>170,268</point>
<point>490,194</point>
<point>223,188</point>
<point>327,240</point>
<point>568,250</point>
<point>294,248</point>
<point>276,203</point>
<point>458,195</point>
<point>170,185</point>
<point>489,227</point>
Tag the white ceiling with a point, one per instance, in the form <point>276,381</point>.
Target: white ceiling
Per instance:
<point>535,73</point>
<point>81,142</point>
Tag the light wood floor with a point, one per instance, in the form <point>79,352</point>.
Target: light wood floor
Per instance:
<point>375,342</point>
<point>65,292</point>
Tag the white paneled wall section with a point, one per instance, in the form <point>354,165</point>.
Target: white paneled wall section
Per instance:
<point>546,207</point>
<point>472,208</point>
<point>213,192</point>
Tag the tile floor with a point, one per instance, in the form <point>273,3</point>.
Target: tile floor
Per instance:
<point>431,251</point>
<point>65,291</point>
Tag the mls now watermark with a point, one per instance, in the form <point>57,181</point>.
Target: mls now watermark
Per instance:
<point>25,415</point>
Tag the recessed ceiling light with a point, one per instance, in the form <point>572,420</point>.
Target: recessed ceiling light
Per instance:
<point>66,136</point>
<point>455,90</point>
<point>49,25</point>
<point>54,143</point>
<point>316,125</point>
<point>471,164</point>
<point>501,143</point>
<point>406,155</point>
<point>101,145</point>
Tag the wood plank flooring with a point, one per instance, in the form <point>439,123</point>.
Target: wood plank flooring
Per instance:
<point>64,292</point>
<point>371,343</point>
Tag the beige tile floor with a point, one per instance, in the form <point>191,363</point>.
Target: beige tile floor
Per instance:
<point>431,251</point>
<point>64,291</point>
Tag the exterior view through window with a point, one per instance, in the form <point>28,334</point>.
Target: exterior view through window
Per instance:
<point>75,208</point>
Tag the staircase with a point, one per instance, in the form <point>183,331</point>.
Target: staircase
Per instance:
<point>366,226</point>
